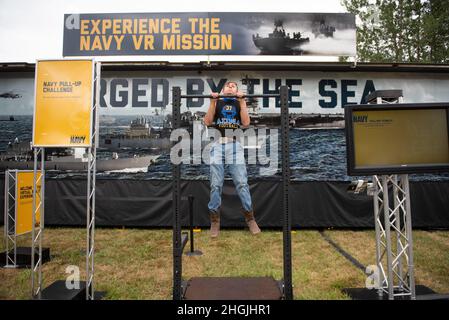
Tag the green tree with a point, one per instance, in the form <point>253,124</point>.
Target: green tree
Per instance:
<point>436,30</point>
<point>401,30</point>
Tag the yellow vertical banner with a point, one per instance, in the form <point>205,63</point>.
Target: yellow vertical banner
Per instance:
<point>24,201</point>
<point>63,103</point>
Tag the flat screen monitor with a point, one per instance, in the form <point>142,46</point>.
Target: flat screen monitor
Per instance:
<point>397,138</point>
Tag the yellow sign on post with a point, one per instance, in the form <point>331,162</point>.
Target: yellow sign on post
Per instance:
<point>63,103</point>
<point>24,201</point>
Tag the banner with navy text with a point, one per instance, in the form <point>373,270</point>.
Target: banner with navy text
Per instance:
<point>217,33</point>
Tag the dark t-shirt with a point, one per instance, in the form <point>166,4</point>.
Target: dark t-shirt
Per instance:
<point>227,115</point>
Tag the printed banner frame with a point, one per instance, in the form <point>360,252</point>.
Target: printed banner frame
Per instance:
<point>209,33</point>
<point>49,124</point>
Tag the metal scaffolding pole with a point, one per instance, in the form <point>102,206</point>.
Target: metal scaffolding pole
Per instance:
<point>380,232</point>
<point>37,228</point>
<point>394,243</point>
<point>10,218</point>
<point>392,220</point>
<point>91,187</point>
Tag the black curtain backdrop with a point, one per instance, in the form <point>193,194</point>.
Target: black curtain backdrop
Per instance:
<point>147,203</point>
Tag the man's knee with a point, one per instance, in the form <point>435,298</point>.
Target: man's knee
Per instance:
<point>215,187</point>
<point>241,184</point>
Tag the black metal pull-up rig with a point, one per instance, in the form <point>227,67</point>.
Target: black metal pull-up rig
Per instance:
<point>221,286</point>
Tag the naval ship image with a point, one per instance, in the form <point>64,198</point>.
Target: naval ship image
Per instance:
<point>301,121</point>
<point>11,118</point>
<point>140,134</point>
<point>323,30</point>
<point>19,155</point>
<point>279,42</point>
<point>10,95</point>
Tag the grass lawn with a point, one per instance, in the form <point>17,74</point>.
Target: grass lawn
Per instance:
<point>137,263</point>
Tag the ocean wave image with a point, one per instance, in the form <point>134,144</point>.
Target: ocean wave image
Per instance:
<point>139,148</point>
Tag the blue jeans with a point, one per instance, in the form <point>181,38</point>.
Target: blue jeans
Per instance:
<point>231,156</point>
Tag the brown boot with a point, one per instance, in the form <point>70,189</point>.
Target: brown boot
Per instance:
<point>251,222</point>
<point>214,223</point>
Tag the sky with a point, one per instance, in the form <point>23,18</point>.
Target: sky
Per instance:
<point>31,29</point>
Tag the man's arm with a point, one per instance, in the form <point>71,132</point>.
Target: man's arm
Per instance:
<point>243,110</point>
<point>209,117</point>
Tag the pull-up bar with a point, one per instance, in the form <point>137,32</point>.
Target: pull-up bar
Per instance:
<point>192,96</point>
<point>287,288</point>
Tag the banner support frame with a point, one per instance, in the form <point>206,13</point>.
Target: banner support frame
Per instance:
<point>91,186</point>
<point>10,176</point>
<point>37,233</point>
<point>393,222</point>
<point>36,236</point>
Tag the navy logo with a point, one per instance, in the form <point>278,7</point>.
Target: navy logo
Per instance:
<point>360,118</point>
